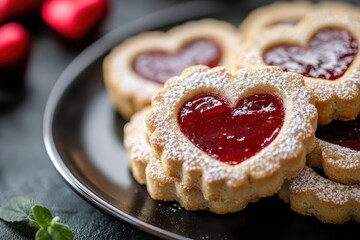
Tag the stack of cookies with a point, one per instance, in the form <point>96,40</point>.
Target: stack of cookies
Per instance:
<point>220,117</point>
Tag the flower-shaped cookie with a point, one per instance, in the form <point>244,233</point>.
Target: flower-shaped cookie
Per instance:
<point>285,13</point>
<point>312,194</point>
<point>233,136</point>
<point>146,169</point>
<point>138,67</point>
<point>323,47</point>
<point>338,151</point>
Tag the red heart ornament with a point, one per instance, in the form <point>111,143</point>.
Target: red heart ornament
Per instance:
<point>73,18</point>
<point>330,53</point>
<point>159,66</point>
<point>14,8</point>
<point>231,135</point>
<point>14,54</point>
<point>14,44</point>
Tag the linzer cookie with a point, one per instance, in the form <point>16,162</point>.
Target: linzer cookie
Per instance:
<point>274,15</point>
<point>146,169</point>
<point>312,194</point>
<point>324,48</point>
<point>138,67</point>
<point>286,14</point>
<point>338,151</point>
<point>235,137</point>
<point>137,145</point>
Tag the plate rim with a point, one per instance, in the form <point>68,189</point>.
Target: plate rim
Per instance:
<point>193,9</point>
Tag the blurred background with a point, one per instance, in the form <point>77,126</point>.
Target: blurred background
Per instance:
<point>46,46</point>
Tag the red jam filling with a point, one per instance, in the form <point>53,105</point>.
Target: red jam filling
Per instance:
<point>328,56</point>
<point>159,66</point>
<point>343,133</point>
<point>228,134</point>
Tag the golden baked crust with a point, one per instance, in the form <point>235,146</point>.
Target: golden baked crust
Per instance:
<point>340,164</point>
<point>286,14</point>
<point>165,188</point>
<point>274,15</point>
<point>131,92</point>
<point>258,176</point>
<point>338,99</point>
<point>313,195</point>
<point>146,169</point>
<point>137,145</point>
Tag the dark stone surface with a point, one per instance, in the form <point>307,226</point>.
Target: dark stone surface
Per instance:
<point>25,167</point>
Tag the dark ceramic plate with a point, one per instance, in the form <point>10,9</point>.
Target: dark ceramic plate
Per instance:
<point>84,138</point>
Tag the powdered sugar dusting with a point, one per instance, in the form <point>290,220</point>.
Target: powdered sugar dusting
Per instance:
<point>137,145</point>
<point>130,91</point>
<point>331,96</point>
<point>308,181</point>
<point>160,185</point>
<point>338,156</point>
<point>296,137</point>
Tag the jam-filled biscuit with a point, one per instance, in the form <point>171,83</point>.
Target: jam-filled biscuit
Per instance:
<point>137,145</point>
<point>324,48</point>
<point>146,169</point>
<point>233,136</point>
<point>338,151</point>
<point>312,194</point>
<point>139,66</point>
<point>286,14</point>
<point>274,15</point>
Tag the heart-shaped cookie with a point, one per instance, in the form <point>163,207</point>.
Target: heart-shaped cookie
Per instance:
<point>287,14</point>
<point>199,119</point>
<point>146,169</point>
<point>338,151</point>
<point>73,18</point>
<point>138,67</point>
<point>324,47</point>
<point>312,194</point>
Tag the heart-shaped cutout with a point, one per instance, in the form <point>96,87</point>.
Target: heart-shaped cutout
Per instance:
<point>232,135</point>
<point>343,133</point>
<point>329,54</point>
<point>158,66</point>
<point>73,18</point>
<point>14,44</point>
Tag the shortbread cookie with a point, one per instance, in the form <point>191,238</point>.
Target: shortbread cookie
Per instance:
<point>233,136</point>
<point>338,151</point>
<point>137,145</point>
<point>138,67</point>
<point>164,188</point>
<point>312,194</point>
<point>274,15</point>
<point>323,47</point>
<point>146,169</point>
<point>286,14</point>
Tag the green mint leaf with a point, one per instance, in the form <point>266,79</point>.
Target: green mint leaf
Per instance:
<point>42,234</point>
<point>55,220</point>
<point>42,215</point>
<point>59,231</point>
<point>17,209</point>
